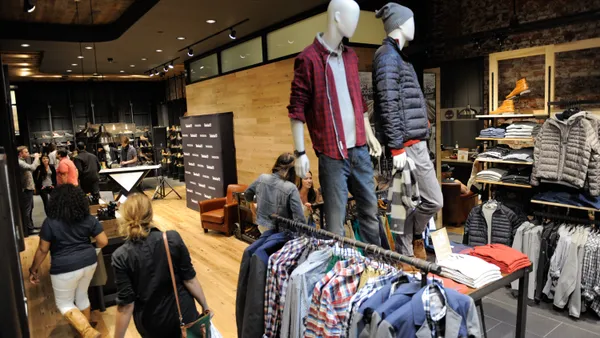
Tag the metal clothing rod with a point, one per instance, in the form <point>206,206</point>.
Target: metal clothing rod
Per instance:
<point>573,102</point>
<point>372,248</point>
<point>565,218</point>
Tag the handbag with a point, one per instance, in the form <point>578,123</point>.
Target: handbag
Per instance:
<point>201,327</point>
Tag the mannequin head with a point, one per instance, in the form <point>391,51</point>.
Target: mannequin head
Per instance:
<point>343,18</point>
<point>398,21</point>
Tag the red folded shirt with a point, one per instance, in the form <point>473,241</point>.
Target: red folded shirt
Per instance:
<point>506,258</point>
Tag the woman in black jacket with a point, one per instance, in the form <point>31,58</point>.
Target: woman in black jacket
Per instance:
<point>45,180</point>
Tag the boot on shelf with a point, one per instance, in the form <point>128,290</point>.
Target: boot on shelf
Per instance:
<point>507,107</point>
<point>521,88</point>
<point>77,319</point>
<point>419,249</point>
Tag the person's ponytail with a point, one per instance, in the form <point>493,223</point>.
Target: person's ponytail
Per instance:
<point>136,215</point>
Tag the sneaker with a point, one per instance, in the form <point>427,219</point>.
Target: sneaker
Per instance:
<point>521,88</point>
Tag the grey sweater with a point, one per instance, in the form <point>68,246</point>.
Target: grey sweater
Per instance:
<point>27,169</point>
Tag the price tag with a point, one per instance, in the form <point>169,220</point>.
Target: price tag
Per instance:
<point>441,244</point>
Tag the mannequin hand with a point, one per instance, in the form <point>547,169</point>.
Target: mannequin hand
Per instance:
<point>374,146</point>
<point>399,161</point>
<point>302,165</point>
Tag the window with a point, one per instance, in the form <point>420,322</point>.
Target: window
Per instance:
<point>294,38</point>
<point>243,55</point>
<point>13,104</point>
<point>204,68</point>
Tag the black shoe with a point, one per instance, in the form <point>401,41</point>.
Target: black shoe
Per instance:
<point>34,231</point>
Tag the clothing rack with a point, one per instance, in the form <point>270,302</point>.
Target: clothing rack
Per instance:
<point>571,103</point>
<point>424,266</point>
<point>565,218</point>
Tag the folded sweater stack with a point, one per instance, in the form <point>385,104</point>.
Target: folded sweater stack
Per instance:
<point>524,154</point>
<point>497,152</point>
<point>470,270</point>
<point>492,133</point>
<point>492,174</point>
<point>525,129</point>
<point>506,258</point>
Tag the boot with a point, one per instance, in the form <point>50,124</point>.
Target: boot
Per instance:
<point>507,107</point>
<point>521,88</point>
<point>77,319</point>
<point>419,249</point>
<point>408,268</point>
<point>88,315</point>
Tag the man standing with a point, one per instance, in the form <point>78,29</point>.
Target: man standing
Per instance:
<point>88,167</point>
<point>28,187</point>
<point>66,172</point>
<point>128,153</point>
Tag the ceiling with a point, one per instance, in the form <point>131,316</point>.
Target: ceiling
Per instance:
<point>158,29</point>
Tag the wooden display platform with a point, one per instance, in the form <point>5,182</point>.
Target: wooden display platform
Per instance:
<point>491,160</point>
<point>526,186</point>
<point>562,205</point>
<point>526,139</point>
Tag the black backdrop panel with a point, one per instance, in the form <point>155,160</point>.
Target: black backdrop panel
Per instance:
<point>210,159</point>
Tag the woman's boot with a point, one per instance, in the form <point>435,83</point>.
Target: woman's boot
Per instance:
<point>77,319</point>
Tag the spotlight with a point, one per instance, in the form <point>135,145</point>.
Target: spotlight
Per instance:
<point>156,72</point>
<point>166,69</point>
<point>25,45</point>
<point>29,6</point>
<point>152,73</point>
<point>233,34</point>
<point>190,52</point>
<point>171,65</point>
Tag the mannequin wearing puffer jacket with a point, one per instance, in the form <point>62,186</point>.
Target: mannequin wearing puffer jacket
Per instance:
<point>401,120</point>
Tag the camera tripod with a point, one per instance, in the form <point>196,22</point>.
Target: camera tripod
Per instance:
<point>160,191</point>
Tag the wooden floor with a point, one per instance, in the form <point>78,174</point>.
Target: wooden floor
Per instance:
<point>215,257</point>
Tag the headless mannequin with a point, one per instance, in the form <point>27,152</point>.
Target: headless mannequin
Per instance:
<point>404,34</point>
<point>343,18</point>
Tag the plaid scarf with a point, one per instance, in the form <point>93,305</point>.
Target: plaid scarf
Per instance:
<point>404,196</point>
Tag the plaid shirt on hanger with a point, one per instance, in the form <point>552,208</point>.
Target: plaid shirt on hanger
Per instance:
<point>435,310</point>
<point>329,306</point>
<point>281,265</point>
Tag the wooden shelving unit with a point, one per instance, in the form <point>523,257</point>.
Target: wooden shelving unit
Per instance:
<point>562,205</point>
<point>527,139</point>
<point>490,160</point>
<point>451,160</point>
<point>508,116</point>
<point>526,186</point>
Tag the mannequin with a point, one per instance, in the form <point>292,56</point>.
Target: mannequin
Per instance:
<point>326,96</point>
<point>402,122</point>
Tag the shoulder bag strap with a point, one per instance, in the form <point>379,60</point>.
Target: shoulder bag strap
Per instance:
<point>164,235</point>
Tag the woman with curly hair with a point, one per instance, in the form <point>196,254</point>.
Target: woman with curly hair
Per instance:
<point>144,285</point>
<point>66,235</point>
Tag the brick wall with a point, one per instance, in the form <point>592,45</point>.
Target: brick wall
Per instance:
<point>578,75</point>
<point>531,68</point>
<point>459,18</point>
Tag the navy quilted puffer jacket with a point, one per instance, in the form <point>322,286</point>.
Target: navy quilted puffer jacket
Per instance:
<point>400,107</point>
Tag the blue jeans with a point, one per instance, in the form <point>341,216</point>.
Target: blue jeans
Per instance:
<point>354,174</point>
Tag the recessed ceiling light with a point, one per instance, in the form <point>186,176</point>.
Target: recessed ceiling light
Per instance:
<point>121,71</point>
<point>68,70</point>
<point>89,47</point>
<point>210,21</point>
<point>144,59</point>
<point>131,66</point>
<point>181,38</point>
<point>80,57</point>
<point>25,45</point>
<point>74,64</point>
<point>159,50</point>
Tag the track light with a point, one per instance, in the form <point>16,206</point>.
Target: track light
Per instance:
<point>29,6</point>
<point>156,72</point>
<point>152,73</point>
<point>190,52</point>
<point>171,65</point>
<point>233,34</point>
<point>166,69</point>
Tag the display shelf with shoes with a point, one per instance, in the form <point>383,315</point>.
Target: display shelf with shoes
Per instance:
<point>521,88</point>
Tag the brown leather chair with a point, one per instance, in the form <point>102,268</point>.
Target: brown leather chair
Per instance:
<point>221,214</point>
<point>457,206</point>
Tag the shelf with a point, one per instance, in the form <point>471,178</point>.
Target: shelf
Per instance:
<point>489,160</point>
<point>529,139</point>
<point>506,116</point>
<point>526,186</point>
<point>564,205</point>
<point>450,160</point>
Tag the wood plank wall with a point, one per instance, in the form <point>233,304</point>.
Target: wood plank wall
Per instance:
<point>258,98</point>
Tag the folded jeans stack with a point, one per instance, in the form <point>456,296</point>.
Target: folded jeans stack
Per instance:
<point>525,129</point>
<point>470,270</point>
<point>506,258</point>
<point>492,174</point>
<point>492,133</point>
<point>524,154</point>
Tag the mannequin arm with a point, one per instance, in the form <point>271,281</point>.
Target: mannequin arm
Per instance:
<point>387,90</point>
<point>302,164</point>
<point>374,146</point>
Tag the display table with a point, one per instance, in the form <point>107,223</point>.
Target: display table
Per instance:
<point>129,179</point>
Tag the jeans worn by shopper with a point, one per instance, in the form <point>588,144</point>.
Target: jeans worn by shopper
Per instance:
<point>71,288</point>
<point>355,175</point>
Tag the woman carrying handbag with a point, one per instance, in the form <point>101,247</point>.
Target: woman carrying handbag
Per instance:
<point>149,267</point>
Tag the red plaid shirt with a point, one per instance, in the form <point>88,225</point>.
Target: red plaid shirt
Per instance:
<point>309,102</point>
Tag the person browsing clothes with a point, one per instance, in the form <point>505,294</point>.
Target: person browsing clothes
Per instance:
<point>45,180</point>
<point>66,234</point>
<point>309,196</point>
<point>276,193</point>
<point>27,187</point>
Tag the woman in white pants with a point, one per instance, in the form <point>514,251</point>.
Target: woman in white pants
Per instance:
<point>66,235</point>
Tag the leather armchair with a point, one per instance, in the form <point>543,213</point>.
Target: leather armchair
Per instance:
<point>221,214</point>
<point>456,205</point>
